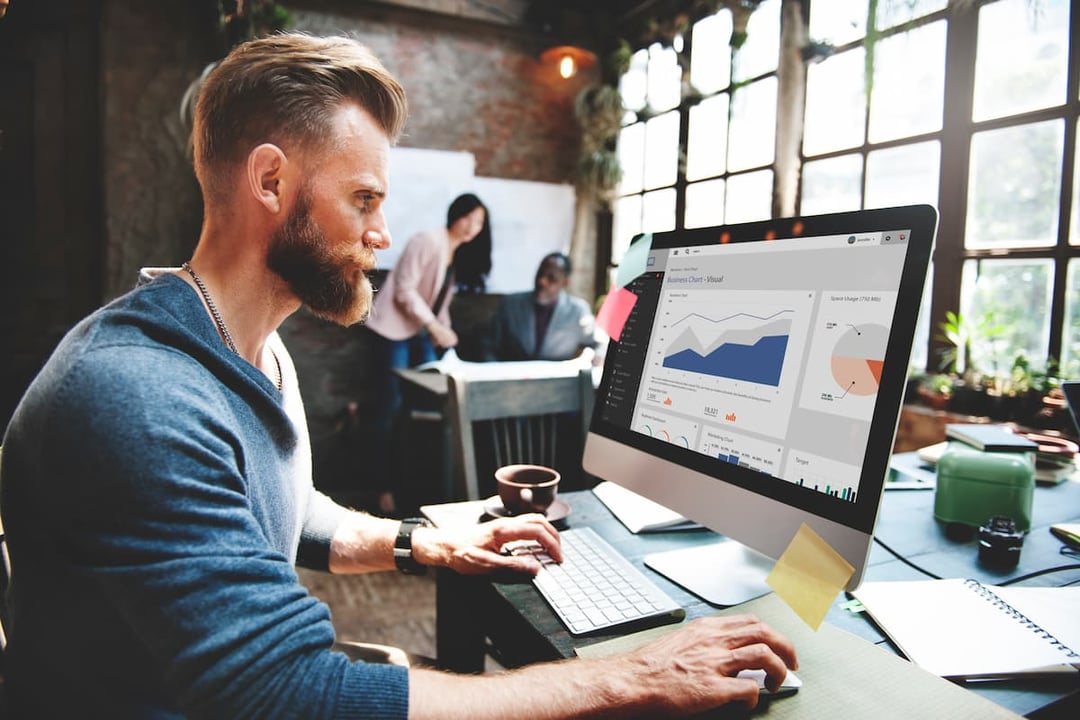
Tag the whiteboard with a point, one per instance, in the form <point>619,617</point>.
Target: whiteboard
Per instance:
<point>423,183</point>
<point>528,219</point>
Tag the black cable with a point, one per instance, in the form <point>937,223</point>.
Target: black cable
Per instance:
<point>904,560</point>
<point>1037,573</point>
<point>1011,581</point>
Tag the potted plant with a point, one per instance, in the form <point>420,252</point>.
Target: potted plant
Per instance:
<point>969,392</point>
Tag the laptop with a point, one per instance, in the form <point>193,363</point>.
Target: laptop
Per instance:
<point>1071,390</point>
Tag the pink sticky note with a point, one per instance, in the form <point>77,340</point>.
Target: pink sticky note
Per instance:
<point>613,313</point>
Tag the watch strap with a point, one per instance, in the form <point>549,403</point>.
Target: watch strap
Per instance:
<point>403,555</point>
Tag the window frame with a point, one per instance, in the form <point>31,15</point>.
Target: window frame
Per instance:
<point>954,138</point>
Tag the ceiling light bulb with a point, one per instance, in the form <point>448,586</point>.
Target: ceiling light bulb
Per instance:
<point>567,67</point>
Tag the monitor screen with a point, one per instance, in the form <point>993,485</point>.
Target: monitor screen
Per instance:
<point>756,384</point>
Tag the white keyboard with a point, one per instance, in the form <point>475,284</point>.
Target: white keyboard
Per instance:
<point>596,588</point>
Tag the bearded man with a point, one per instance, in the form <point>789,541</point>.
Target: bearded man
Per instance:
<point>157,484</point>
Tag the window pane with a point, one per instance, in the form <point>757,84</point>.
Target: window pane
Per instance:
<point>832,185</point>
<point>891,14</point>
<point>662,150</point>
<point>761,51</point>
<point>909,83</point>
<point>903,175</point>
<point>1074,229</point>
<point>1014,186</point>
<point>920,345</point>
<point>705,204</point>
<point>631,151</point>
<point>632,85</point>
<point>706,145</point>
<point>665,78</point>
<point>658,211</point>
<point>753,125</point>
<point>1021,58</point>
<point>837,21</point>
<point>626,223</point>
<point>1012,298</point>
<point>1070,345</point>
<point>835,103</point>
<point>749,197</point>
<point>710,55</point>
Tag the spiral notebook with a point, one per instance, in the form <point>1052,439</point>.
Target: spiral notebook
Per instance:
<point>963,629</point>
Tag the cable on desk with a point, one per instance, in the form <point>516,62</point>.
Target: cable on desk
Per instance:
<point>1037,573</point>
<point>1011,581</point>
<point>904,560</point>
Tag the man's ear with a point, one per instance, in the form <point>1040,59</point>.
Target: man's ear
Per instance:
<point>266,175</point>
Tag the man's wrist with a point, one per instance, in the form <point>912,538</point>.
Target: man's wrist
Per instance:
<point>404,557</point>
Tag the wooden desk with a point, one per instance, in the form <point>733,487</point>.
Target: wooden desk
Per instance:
<point>523,629</point>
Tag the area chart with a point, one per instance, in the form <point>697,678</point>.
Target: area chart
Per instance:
<point>754,354</point>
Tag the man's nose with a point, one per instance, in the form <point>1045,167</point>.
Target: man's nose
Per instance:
<point>378,237</point>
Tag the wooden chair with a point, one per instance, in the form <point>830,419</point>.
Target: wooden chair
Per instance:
<point>502,421</point>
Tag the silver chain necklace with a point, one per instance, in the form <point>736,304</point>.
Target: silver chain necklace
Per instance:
<point>216,314</point>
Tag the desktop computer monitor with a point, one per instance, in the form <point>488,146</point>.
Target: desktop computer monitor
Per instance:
<point>756,385</point>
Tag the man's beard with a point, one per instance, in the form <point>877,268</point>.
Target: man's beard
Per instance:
<point>334,288</point>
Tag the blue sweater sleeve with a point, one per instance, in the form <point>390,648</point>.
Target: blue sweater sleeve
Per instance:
<point>148,486</point>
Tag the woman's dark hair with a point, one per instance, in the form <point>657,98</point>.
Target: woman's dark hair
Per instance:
<point>472,261</point>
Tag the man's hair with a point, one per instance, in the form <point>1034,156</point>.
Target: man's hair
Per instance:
<point>562,258</point>
<point>283,89</point>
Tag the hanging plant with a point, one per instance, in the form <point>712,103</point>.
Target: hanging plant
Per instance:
<point>599,173</point>
<point>243,20</point>
<point>599,112</point>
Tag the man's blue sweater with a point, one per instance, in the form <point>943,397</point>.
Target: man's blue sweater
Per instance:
<point>155,495</point>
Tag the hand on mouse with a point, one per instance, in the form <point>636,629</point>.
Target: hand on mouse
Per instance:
<point>696,667</point>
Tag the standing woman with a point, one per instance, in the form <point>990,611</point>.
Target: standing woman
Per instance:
<point>410,320</point>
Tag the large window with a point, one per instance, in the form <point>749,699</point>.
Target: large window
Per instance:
<point>972,109</point>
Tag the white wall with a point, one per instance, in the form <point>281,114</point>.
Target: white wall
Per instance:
<point>528,219</point>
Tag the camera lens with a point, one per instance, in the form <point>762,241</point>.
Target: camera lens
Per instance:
<point>1000,542</point>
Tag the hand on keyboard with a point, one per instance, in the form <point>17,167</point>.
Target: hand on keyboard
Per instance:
<point>481,548</point>
<point>595,588</point>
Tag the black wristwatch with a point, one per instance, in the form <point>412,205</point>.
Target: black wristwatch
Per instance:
<point>403,556</point>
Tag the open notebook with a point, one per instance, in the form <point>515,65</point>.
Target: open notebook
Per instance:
<point>966,630</point>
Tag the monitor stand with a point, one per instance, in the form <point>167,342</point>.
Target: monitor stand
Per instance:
<point>724,573</point>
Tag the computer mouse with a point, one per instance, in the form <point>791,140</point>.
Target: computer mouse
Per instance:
<point>789,686</point>
<point>1068,533</point>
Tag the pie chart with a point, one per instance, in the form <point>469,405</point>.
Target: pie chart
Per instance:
<point>858,358</point>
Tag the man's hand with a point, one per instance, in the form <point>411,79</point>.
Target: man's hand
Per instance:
<point>708,653</point>
<point>684,673</point>
<point>477,549</point>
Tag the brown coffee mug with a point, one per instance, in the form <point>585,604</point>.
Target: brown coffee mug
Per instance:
<point>527,488</point>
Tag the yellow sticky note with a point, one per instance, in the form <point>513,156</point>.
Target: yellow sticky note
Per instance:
<point>809,575</point>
